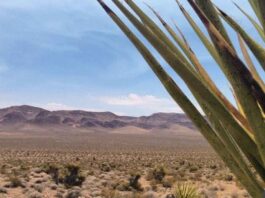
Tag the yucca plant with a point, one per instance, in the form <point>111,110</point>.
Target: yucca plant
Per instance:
<point>237,133</point>
<point>185,190</point>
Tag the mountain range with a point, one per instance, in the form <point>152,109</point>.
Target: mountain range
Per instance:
<point>29,115</point>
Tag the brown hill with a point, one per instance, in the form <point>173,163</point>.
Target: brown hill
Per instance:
<point>28,115</point>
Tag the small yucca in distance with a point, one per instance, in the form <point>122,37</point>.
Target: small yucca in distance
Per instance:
<point>185,190</point>
<point>237,133</point>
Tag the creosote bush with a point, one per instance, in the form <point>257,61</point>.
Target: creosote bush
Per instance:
<point>72,176</point>
<point>157,174</point>
<point>69,175</point>
<point>105,167</point>
<point>134,182</point>
<point>15,178</point>
<point>15,181</point>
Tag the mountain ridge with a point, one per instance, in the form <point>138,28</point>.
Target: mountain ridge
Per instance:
<point>26,114</point>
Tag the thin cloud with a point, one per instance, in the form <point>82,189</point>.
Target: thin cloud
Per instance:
<point>57,106</point>
<point>61,49</point>
<point>149,103</point>
<point>53,106</point>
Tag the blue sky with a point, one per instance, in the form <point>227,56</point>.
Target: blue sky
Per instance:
<point>69,55</point>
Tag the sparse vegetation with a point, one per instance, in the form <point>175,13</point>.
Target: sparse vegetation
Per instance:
<point>68,175</point>
<point>143,170</point>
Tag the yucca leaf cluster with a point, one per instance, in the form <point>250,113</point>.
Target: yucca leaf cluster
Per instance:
<point>236,132</point>
<point>185,190</point>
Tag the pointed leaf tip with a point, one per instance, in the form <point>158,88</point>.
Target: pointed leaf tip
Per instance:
<point>180,6</point>
<point>202,16</point>
<point>105,7</point>
<point>157,15</point>
<point>221,11</point>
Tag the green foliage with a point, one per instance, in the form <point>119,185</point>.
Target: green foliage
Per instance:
<point>134,182</point>
<point>157,174</point>
<point>185,190</point>
<point>70,175</point>
<point>15,178</point>
<point>15,182</point>
<point>237,133</point>
<point>105,167</point>
<point>193,169</point>
<point>53,171</point>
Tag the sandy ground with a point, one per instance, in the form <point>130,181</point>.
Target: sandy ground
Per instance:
<point>108,161</point>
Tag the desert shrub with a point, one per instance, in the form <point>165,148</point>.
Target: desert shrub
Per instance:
<point>131,185</point>
<point>53,171</point>
<point>168,181</point>
<point>105,167</point>
<point>53,187</point>
<point>16,177</point>
<point>123,186</point>
<point>3,190</point>
<point>35,195</point>
<point>159,174</point>
<point>228,178</point>
<point>156,174</point>
<point>182,173</point>
<point>134,182</point>
<point>59,195</point>
<point>181,163</point>
<point>15,181</point>
<point>38,187</point>
<point>213,166</point>
<point>72,176</point>
<point>23,168</point>
<point>193,169</point>
<point>185,190</point>
<point>90,172</point>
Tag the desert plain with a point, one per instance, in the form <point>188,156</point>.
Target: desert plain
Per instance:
<point>101,155</point>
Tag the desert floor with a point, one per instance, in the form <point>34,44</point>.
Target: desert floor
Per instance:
<point>88,164</point>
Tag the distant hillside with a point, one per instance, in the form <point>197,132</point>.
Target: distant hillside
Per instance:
<point>19,115</point>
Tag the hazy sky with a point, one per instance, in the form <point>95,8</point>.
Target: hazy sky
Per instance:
<point>68,54</point>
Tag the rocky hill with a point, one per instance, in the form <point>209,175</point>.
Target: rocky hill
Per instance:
<point>18,115</point>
